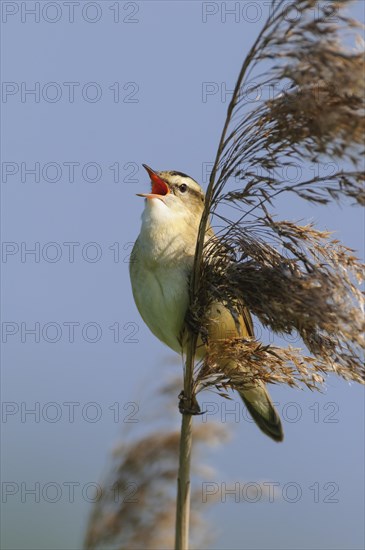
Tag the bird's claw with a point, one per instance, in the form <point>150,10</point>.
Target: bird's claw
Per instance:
<point>192,409</point>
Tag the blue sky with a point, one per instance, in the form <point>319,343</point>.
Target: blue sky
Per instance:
<point>119,86</point>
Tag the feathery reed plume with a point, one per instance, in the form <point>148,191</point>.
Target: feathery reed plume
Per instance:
<point>309,109</point>
<point>136,506</point>
<point>294,278</point>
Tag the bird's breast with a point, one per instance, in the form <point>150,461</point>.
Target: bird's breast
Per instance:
<point>161,293</point>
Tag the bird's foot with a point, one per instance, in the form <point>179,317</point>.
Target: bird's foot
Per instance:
<point>191,408</point>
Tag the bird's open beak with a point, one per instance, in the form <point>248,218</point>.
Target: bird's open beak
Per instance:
<point>159,186</point>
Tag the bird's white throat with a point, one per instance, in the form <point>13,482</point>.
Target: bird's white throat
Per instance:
<point>163,234</point>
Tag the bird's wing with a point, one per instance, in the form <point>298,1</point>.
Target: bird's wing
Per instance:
<point>221,324</point>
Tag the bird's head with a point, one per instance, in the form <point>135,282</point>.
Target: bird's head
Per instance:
<point>173,194</point>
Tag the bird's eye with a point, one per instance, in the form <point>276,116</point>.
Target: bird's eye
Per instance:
<point>183,188</point>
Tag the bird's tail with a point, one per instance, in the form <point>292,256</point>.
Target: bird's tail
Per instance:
<point>262,410</point>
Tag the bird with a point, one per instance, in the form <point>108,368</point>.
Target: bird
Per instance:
<point>160,270</point>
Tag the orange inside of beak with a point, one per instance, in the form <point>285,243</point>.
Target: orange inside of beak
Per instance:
<point>159,186</point>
